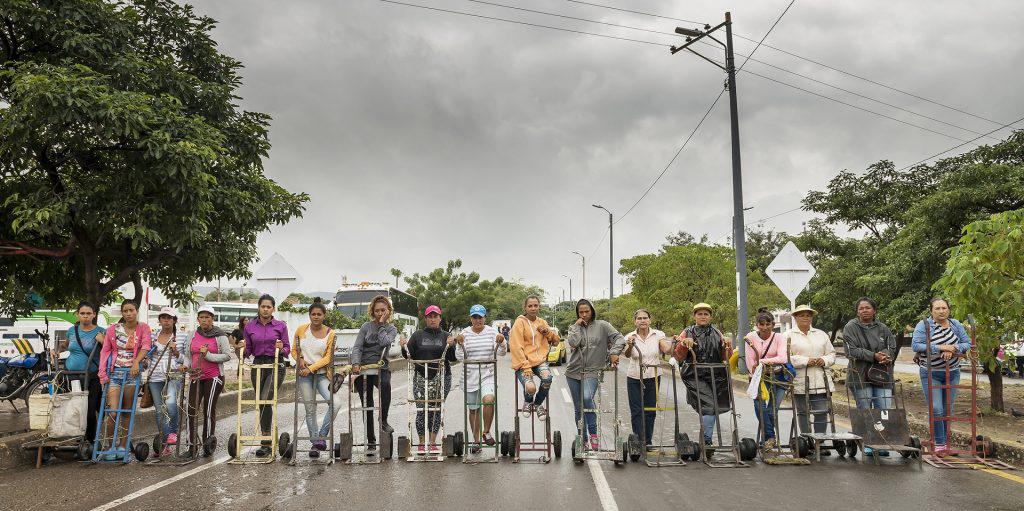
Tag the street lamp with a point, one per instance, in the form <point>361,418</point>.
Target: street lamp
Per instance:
<point>692,36</point>
<point>570,286</point>
<point>611,256</point>
<point>583,258</point>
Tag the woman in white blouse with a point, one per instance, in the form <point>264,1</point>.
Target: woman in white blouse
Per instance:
<point>647,345</point>
<point>811,353</point>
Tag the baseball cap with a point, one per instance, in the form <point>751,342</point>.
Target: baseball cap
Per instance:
<point>206,308</point>
<point>432,309</point>
<point>168,311</point>
<point>477,310</point>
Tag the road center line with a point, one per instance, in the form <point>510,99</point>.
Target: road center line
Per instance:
<point>604,492</point>
<point>161,484</point>
<point>565,396</point>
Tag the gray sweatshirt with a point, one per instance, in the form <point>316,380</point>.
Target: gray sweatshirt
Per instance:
<point>591,344</point>
<point>372,343</point>
<point>861,342</point>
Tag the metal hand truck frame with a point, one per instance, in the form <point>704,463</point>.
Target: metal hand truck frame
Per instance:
<point>512,442</point>
<point>361,452</point>
<point>741,450</point>
<point>428,404</point>
<point>662,453</point>
<point>463,437</point>
<point>237,442</point>
<point>289,446</point>
<point>119,376</point>
<point>803,442</point>
<point>619,452</point>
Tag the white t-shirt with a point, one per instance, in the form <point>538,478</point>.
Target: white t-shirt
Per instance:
<point>649,349</point>
<point>313,348</point>
<point>479,346</point>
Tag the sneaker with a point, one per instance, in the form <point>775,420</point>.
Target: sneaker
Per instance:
<point>542,412</point>
<point>883,453</point>
<point>474,450</point>
<point>435,448</point>
<point>422,449</point>
<point>941,450</point>
<point>594,444</point>
<point>314,453</point>
<point>527,410</point>
<point>167,452</point>
<point>263,451</point>
<point>109,457</point>
<point>868,451</point>
<point>488,439</point>
<point>320,445</point>
<point>172,438</point>
<point>769,445</point>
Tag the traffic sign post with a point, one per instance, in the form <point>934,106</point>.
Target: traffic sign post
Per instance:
<point>791,272</point>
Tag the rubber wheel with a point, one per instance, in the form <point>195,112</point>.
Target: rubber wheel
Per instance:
<point>84,450</point>
<point>916,443</point>
<point>851,449</point>
<point>233,445</point>
<point>697,450</point>
<point>800,447</point>
<point>840,448</point>
<point>459,443</point>
<point>513,443</point>
<point>282,443</point>
<point>158,443</point>
<point>387,446</point>
<point>343,449</point>
<point>209,446</point>
<point>984,447</point>
<point>289,453</point>
<point>503,443</point>
<point>448,446</point>
<point>635,448</point>
<point>748,449</point>
<point>404,448</point>
<point>556,443</point>
<point>141,451</point>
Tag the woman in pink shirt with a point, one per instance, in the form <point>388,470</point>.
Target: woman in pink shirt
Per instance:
<point>766,346</point>
<point>206,350</point>
<point>127,343</point>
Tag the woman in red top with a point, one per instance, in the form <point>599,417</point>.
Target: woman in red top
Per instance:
<point>127,343</point>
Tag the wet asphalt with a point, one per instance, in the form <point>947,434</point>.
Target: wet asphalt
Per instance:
<point>560,485</point>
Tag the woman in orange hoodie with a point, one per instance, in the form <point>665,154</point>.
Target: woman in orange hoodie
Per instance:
<point>530,338</point>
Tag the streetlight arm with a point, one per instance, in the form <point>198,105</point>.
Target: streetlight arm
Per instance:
<point>693,36</point>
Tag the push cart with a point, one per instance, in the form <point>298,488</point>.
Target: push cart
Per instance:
<point>102,451</point>
<point>884,428</point>
<point>805,442</point>
<point>617,450</point>
<point>290,446</point>
<point>429,402</point>
<point>773,451</point>
<point>483,366</point>
<point>350,449</point>
<point>541,438</point>
<point>186,450</point>
<point>669,446</point>
<point>239,443</point>
<point>69,442</point>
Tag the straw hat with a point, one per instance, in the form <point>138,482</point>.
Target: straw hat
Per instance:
<point>704,306</point>
<point>804,308</point>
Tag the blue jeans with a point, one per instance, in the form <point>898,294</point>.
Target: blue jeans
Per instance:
<point>708,423</point>
<point>870,396</point>
<point>166,410</point>
<point>818,404</point>
<point>942,399</point>
<point>642,421</point>
<point>765,411</point>
<point>589,389</point>
<point>305,385</point>
<point>542,389</point>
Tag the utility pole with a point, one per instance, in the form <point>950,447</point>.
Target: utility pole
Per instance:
<point>611,256</point>
<point>739,238</point>
<point>583,293</point>
<point>570,286</point>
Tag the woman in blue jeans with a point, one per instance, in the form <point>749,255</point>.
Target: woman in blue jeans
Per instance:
<point>314,354</point>
<point>595,343</point>
<point>940,365</point>
<point>166,376</point>
<point>645,345</point>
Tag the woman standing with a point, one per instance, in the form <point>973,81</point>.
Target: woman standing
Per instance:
<point>871,349</point>
<point>237,336</point>
<point>767,347</point>
<point>207,349</point>
<point>644,345</point>
<point>264,337</point>
<point>166,365</point>
<point>530,338</point>
<point>428,387</point>
<point>314,357</point>
<point>811,353</point>
<point>949,341</point>
<point>479,342</point>
<point>372,344</point>
<point>707,389</point>
<point>84,343</point>
<point>127,343</point>
<point>595,343</point>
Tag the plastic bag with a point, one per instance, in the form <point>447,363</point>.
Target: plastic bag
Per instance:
<point>68,414</point>
<point>754,388</point>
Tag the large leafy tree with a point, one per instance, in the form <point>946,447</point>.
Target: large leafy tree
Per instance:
<point>123,153</point>
<point>985,277</point>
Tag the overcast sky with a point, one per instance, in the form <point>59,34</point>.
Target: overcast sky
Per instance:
<point>424,136</point>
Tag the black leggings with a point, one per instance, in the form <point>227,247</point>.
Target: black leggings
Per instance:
<point>93,411</point>
<point>203,394</point>
<point>383,382</point>
<point>266,377</point>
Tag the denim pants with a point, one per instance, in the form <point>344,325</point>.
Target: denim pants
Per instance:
<point>166,407</point>
<point>319,384</point>
<point>765,411</point>
<point>869,396</point>
<point>642,421</point>
<point>542,388</point>
<point>588,388</point>
<point>818,408</point>
<point>942,399</point>
<point>708,424</point>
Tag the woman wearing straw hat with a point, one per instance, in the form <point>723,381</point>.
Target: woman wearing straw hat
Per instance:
<point>708,345</point>
<point>811,353</point>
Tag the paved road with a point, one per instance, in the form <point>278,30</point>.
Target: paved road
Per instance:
<point>559,485</point>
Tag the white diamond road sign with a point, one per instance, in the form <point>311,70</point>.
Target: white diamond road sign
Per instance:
<point>790,271</point>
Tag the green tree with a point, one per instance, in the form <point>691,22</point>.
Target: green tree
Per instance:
<point>984,276</point>
<point>123,153</point>
<point>397,274</point>
<point>452,290</point>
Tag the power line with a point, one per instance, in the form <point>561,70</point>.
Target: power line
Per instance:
<point>807,59</point>
<point>960,145</point>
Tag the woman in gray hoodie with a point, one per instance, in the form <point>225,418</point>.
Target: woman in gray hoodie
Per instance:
<point>206,349</point>
<point>593,343</point>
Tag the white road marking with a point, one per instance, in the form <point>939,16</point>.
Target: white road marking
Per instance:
<point>554,371</point>
<point>604,492</point>
<point>161,484</point>
<point>565,396</point>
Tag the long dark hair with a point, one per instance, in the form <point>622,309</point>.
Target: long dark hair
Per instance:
<point>95,315</point>
<point>127,301</point>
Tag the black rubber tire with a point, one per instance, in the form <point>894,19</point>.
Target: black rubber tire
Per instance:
<point>289,453</point>
<point>697,450</point>
<point>141,451</point>
<point>84,450</point>
<point>387,445</point>
<point>158,443</point>
<point>840,447</point>
<point>852,448</point>
<point>404,447</point>
<point>748,449</point>
<point>459,443</point>
<point>916,442</point>
<point>556,443</point>
<point>636,449</point>
<point>283,440</point>
<point>801,447</point>
<point>233,445</point>
<point>343,449</point>
<point>984,447</point>
<point>504,443</point>
<point>575,460</point>
<point>209,446</point>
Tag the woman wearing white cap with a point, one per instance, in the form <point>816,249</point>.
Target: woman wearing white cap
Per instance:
<point>165,379</point>
<point>205,351</point>
<point>811,353</point>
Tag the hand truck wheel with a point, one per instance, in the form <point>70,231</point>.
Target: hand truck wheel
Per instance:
<point>141,451</point>
<point>233,445</point>
<point>209,446</point>
<point>635,448</point>
<point>387,445</point>
<point>984,447</point>
<point>503,443</point>
<point>556,443</point>
<point>404,447</point>
<point>158,443</point>
<point>459,443</point>
<point>851,449</point>
<point>748,449</point>
<point>282,443</point>
<point>840,447</point>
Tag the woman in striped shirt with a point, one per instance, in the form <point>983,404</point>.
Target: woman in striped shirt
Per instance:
<point>479,342</point>
<point>941,364</point>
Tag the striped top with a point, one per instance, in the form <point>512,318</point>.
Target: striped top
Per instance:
<point>479,346</point>
<point>941,335</point>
